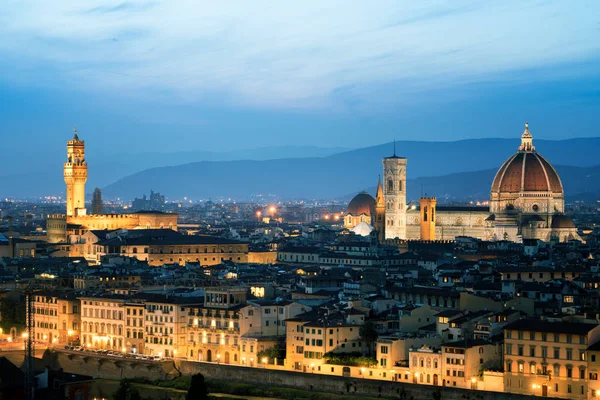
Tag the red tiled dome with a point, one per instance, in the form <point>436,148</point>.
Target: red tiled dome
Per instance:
<point>362,203</point>
<point>527,171</point>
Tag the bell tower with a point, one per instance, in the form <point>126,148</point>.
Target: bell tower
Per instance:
<point>379,222</point>
<point>75,174</point>
<point>394,192</point>
<point>428,212</point>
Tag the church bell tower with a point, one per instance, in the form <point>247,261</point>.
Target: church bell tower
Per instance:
<point>394,192</point>
<point>427,205</point>
<point>75,174</point>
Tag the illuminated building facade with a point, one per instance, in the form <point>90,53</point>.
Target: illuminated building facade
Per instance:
<point>68,228</point>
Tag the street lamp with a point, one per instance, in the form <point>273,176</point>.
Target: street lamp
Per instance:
<point>264,361</point>
<point>534,387</point>
<point>362,371</point>
<point>312,367</point>
<point>218,358</point>
<point>393,374</point>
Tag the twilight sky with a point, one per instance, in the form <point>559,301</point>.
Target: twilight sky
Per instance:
<point>213,75</point>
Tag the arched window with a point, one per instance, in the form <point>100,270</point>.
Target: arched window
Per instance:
<point>390,185</point>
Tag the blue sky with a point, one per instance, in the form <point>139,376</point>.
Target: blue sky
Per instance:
<point>186,75</point>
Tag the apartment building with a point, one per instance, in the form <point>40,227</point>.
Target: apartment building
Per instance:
<point>213,326</point>
<point>549,358</point>
<point>267,318</point>
<point>464,360</point>
<point>395,349</point>
<point>309,337</point>
<point>165,323</point>
<point>57,317</point>
<point>103,321</point>
<point>134,326</point>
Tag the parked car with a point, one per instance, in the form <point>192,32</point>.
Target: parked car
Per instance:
<point>78,348</point>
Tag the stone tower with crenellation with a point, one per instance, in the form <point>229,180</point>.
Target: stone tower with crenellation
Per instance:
<point>428,218</point>
<point>394,193</point>
<point>75,174</point>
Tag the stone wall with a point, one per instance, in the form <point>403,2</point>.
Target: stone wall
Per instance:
<point>336,384</point>
<point>110,367</point>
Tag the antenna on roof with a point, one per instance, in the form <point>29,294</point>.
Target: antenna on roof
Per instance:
<point>394,147</point>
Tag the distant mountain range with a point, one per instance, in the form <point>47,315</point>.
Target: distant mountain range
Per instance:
<point>35,172</point>
<point>455,170</point>
<point>579,183</point>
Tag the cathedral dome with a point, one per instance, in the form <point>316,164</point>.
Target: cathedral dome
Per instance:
<point>561,221</point>
<point>362,203</point>
<point>526,171</point>
<point>363,229</point>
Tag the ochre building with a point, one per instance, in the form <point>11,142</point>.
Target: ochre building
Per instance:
<point>69,227</point>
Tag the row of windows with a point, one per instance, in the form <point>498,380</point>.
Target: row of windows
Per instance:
<point>102,313</point>
<point>544,352</point>
<point>135,322</point>
<point>159,319</point>
<point>313,354</point>
<point>159,329</point>
<point>135,334</point>
<point>521,335</point>
<point>160,340</point>
<point>102,328</point>
<point>534,369</point>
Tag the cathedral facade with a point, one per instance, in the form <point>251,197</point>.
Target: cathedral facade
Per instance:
<point>526,202</point>
<point>68,228</point>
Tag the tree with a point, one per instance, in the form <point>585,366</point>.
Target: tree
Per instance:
<point>126,392</point>
<point>368,334</point>
<point>198,389</point>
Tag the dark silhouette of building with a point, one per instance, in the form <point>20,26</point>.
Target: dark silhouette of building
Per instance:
<point>97,205</point>
<point>155,202</point>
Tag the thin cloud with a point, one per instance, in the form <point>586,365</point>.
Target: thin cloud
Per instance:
<point>285,54</point>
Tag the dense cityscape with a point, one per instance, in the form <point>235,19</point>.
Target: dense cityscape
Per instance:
<point>317,200</point>
<point>498,297</point>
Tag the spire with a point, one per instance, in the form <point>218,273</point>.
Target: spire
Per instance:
<point>379,200</point>
<point>75,137</point>
<point>526,140</point>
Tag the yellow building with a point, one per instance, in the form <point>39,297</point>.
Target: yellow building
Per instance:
<point>103,322</point>
<point>548,358</point>
<point>56,317</point>
<point>593,369</point>
<point>308,341</point>
<point>69,227</point>
<point>464,361</point>
<point>164,246</point>
<point>164,319</point>
<point>134,327</point>
<point>213,328</point>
